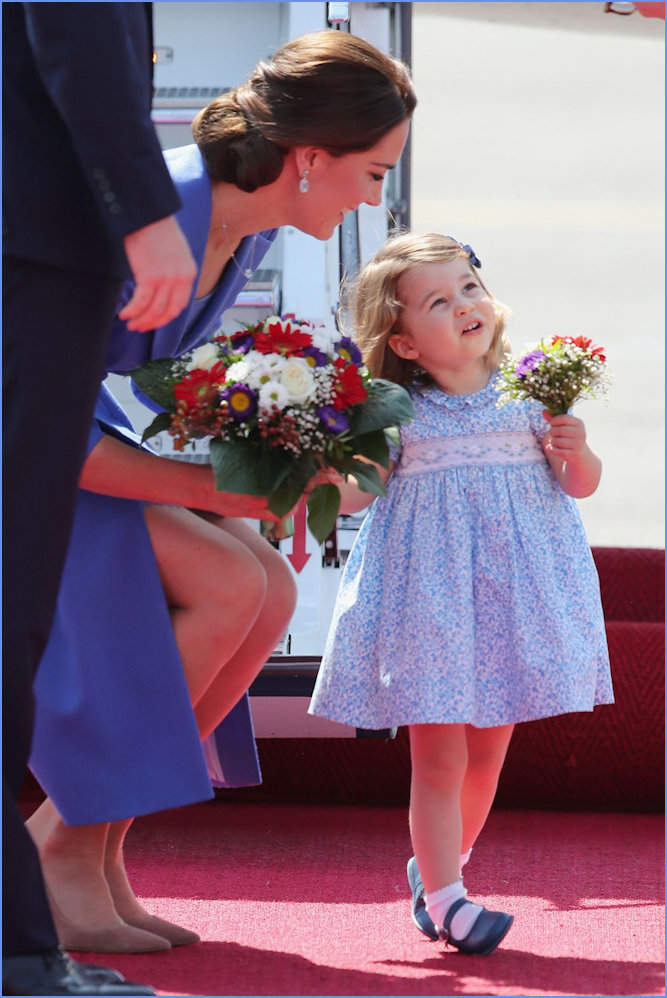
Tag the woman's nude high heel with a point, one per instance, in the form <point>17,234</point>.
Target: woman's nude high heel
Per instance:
<point>116,939</point>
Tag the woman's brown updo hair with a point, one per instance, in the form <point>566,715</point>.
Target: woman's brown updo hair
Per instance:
<point>328,89</point>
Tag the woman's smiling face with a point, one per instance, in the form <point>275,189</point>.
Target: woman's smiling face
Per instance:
<point>339,184</point>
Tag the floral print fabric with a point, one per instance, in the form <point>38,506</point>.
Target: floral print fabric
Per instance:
<point>470,594</point>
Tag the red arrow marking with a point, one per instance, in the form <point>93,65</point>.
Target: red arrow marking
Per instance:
<point>298,557</point>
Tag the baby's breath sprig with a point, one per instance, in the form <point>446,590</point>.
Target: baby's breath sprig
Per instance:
<point>556,372</point>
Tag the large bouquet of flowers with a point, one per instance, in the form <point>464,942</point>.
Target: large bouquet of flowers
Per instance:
<point>557,372</point>
<point>280,401</point>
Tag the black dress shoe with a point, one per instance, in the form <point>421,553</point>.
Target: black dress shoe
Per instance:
<point>101,973</point>
<point>55,973</point>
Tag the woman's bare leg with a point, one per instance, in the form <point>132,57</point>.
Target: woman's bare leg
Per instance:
<point>229,674</point>
<point>83,909</point>
<point>241,668</point>
<point>124,899</point>
<point>215,588</point>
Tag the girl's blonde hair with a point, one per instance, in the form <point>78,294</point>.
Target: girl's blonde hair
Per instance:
<point>374,308</point>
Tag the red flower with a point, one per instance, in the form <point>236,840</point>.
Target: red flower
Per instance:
<point>584,343</point>
<point>199,387</point>
<point>348,386</point>
<point>282,339</point>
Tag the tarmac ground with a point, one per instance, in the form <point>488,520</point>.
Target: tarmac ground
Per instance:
<point>543,146</point>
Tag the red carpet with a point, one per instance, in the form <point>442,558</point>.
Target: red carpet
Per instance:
<point>311,900</point>
<point>298,886</point>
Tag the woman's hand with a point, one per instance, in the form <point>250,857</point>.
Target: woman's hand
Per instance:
<point>116,469</point>
<point>325,476</point>
<point>164,271</point>
<point>239,505</point>
<point>352,498</point>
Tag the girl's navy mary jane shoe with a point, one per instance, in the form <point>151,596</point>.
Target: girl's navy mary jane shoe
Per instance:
<point>490,928</point>
<point>420,916</point>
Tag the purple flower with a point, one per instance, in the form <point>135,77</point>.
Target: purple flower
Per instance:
<point>529,363</point>
<point>241,400</point>
<point>334,420</point>
<point>242,342</point>
<point>318,358</point>
<point>348,350</point>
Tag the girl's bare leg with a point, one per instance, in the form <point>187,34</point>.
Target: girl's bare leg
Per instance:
<point>450,762</point>
<point>487,748</point>
<point>439,757</point>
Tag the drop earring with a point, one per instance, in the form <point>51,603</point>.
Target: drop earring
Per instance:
<point>304,185</point>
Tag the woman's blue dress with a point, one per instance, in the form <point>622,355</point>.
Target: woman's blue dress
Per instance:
<point>115,735</point>
<point>470,594</point>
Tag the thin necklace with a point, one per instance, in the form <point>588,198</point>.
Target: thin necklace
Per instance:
<point>249,270</point>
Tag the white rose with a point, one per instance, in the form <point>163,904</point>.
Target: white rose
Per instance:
<point>298,380</point>
<point>204,357</point>
<point>272,393</point>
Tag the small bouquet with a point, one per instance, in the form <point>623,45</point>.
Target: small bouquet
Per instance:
<point>557,372</point>
<point>280,401</point>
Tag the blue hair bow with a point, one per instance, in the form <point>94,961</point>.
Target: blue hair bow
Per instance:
<point>474,259</point>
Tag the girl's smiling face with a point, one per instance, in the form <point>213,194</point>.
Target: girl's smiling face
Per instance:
<point>447,324</point>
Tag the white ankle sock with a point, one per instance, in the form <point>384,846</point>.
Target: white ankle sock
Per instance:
<point>439,902</point>
<point>465,856</point>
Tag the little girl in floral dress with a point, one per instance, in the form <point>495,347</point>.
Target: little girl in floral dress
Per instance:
<point>470,600</point>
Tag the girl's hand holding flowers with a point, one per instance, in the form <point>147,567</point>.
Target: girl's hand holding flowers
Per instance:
<point>283,403</point>
<point>576,467</point>
<point>558,373</point>
<point>566,439</point>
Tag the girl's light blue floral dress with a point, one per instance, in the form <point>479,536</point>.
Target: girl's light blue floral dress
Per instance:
<point>470,594</point>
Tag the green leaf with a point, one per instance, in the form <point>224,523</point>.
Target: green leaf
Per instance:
<point>323,504</point>
<point>368,478</point>
<point>156,380</point>
<point>373,446</point>
<point>275,468</point>
<point>242,469</point>
<point>282,500</point>
<point>161,422</point>
<point>387,405</point>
